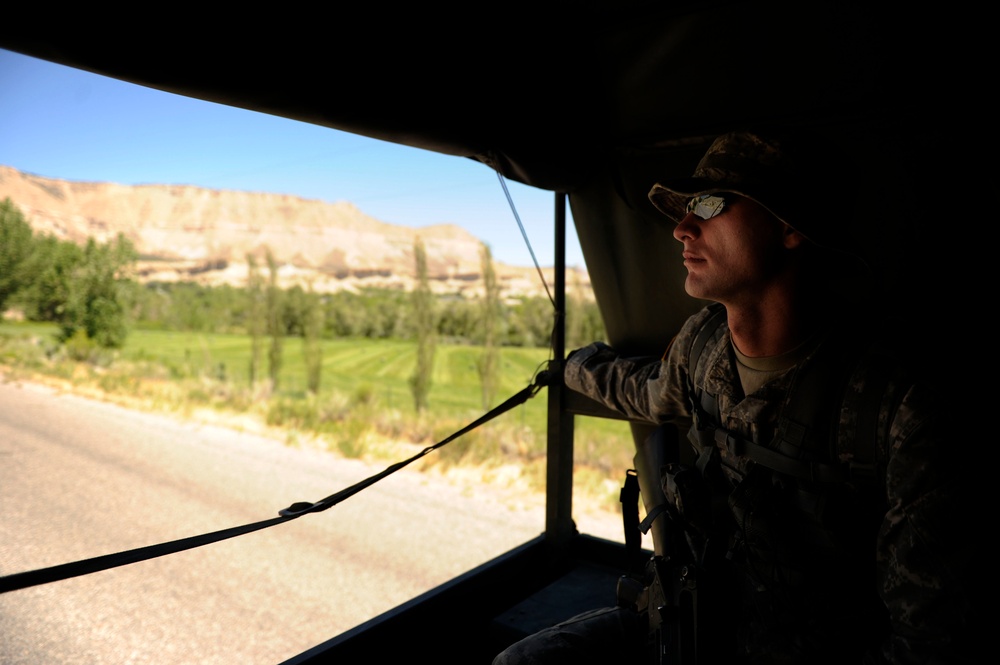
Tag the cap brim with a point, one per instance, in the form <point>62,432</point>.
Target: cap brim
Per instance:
<point>671,197</point>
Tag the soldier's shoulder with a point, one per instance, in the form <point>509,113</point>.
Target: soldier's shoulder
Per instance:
<point>712,314</point>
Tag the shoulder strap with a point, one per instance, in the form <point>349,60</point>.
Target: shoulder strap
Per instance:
<point>864,397</point>
<point>805,438</point>
<point>704,405</point>
<point>700,340</point>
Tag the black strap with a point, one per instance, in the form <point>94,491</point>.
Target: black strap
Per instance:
<point>85,567</point>
<point>629,497</point>
<point>772,459</point>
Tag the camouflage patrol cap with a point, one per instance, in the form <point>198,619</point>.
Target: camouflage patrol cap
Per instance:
<point>777,171</point>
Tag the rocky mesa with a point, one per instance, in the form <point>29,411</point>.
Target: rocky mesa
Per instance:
<point>187,233</point>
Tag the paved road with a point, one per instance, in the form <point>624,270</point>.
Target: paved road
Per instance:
<point>80,478</point>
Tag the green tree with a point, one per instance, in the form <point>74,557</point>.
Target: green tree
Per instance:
<point>101,293</point>
<point>459,321</point>
<point>489,361</point>
<point>532,322</point>
<point>593,324</point>
<point>312,349</point>
<point>275,322</point>
<point>424,320</point>
<point>190,306</point>
<point>17,241</point>
<point>52,265</point>
<point>297,302</point>
<point>256,308</point>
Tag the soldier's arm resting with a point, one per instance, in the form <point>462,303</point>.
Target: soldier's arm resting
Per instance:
<point>642,388</point>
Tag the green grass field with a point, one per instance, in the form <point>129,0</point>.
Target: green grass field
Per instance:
<point>379,367</point>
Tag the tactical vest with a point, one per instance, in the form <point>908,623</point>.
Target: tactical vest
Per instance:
<point>798,530</point>
<point>808,444</point>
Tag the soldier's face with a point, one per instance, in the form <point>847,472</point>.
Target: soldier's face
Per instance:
<point>734,255</point>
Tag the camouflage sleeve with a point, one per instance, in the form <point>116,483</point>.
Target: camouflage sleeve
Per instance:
<point>925,547</point>
<point>644,389</point>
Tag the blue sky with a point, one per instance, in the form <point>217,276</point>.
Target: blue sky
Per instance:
<point>63,123</point>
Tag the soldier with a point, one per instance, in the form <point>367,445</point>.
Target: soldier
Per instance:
<point>837,537</point>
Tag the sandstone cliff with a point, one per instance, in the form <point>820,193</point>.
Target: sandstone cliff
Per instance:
<point>204,235</point>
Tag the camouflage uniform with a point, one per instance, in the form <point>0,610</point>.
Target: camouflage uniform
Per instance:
<point>887,586</point>
<point>872,568</point>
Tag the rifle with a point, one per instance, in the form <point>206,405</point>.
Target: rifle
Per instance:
<point>668,591</point>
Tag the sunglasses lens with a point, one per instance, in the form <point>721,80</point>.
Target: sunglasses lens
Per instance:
<point>706,206</point>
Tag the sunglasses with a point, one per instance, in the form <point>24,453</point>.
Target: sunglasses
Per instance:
<point>706,206</point>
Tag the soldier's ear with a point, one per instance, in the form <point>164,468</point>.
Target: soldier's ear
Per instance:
<point>791,237</point>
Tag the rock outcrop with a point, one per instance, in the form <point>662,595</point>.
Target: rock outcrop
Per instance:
<point>187,233</point>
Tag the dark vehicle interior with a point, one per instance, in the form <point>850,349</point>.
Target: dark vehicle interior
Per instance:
<point>594,102</point>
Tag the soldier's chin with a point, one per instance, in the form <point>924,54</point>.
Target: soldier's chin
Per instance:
<point>695,289</point>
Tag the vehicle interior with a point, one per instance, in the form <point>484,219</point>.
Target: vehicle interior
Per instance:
<point>594,102</point>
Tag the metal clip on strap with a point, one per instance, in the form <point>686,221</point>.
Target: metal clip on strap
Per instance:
<point>645,524</point>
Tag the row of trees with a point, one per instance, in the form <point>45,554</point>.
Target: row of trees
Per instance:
<point>89,291</point>
<point>371,313</point>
